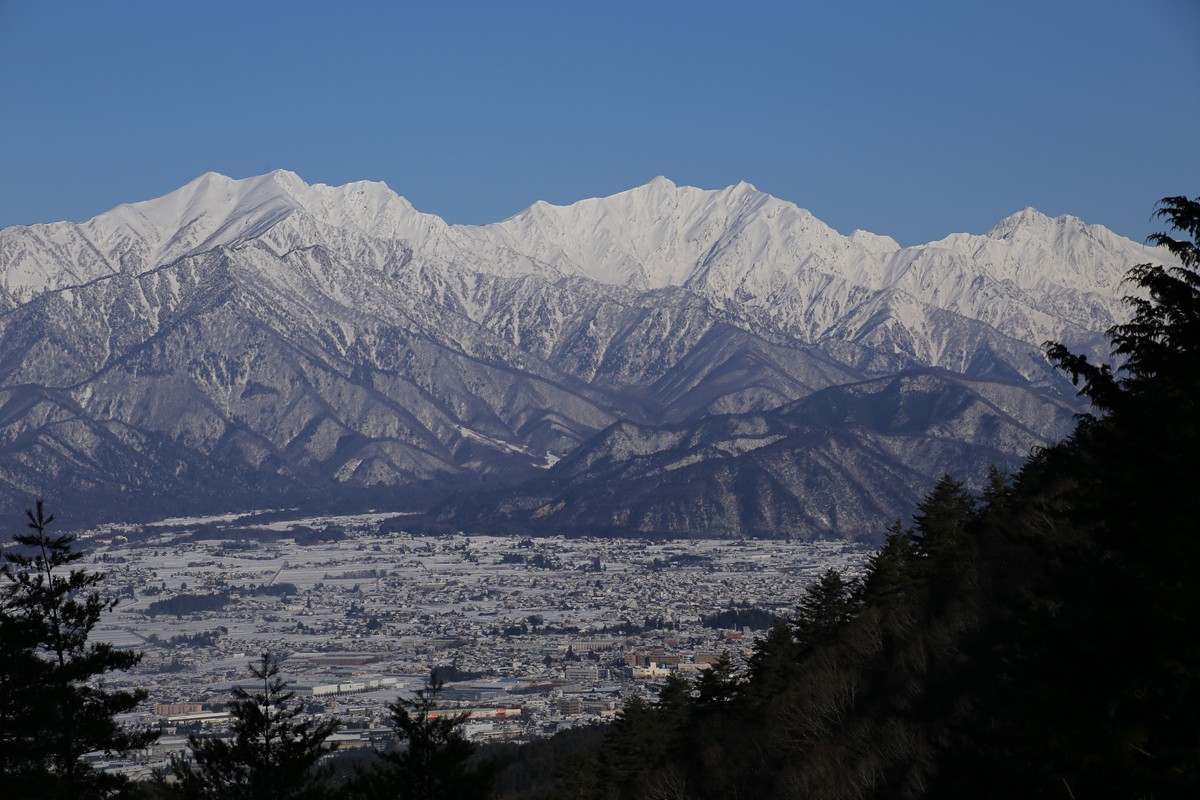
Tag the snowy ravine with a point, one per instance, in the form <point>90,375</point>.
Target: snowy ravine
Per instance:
<point>261,342</point>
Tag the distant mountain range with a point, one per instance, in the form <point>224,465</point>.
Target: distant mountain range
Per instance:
<point>665,361</point>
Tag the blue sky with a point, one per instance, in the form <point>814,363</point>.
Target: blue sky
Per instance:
<point>913,119</point>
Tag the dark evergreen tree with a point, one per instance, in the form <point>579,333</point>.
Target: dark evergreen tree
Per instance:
<point>435,761</point>
<point>52,710</point>
<point>273,751</point>
<point>561,767</point>
<point>772,667</point>
<point>824,610</point>
<point>889,569</point>
<point>718,684</point>
<point>941,535</point>
<point>1088,681</point>
<point>1127,594</point>
<point>673,711</point>
<point>626,759</point>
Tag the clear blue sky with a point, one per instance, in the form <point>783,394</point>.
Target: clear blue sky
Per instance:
<point>912,119</point>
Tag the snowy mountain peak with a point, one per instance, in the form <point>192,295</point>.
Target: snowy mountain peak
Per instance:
<point>372,208</point>
<point>651,236</point>
<point>262,340</point>
<point>1031,222</point>
<point>256,203</point>
<point>210,211</point>
<point>873,242</point>
<point>732,245</point>
<point>206,204</point>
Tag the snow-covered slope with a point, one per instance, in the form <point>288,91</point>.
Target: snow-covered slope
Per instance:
<point>1029,279</point>
<point>343,341</point>
<point>848,458</point>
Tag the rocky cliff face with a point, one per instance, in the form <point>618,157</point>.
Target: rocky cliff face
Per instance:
<point>263,342</point>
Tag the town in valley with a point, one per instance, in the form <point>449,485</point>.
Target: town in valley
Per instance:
<point>530,635</point>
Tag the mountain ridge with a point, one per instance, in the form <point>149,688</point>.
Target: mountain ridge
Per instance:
<point>860,460</point>
<point>354,345</point>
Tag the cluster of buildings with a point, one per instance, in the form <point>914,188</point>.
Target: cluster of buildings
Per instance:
<point>529,635</point>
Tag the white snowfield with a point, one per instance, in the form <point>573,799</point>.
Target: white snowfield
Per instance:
<point>264,338</point>
<point>1030,277</point>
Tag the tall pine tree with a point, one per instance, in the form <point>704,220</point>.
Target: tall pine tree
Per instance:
<point>273,751</point>
<point>52,710</point>
<point>435,761</point>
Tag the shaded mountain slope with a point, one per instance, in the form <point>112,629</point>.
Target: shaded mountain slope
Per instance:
<point>344,342</point>
<point>846,461</point>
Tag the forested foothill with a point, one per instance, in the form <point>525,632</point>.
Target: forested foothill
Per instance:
<point>1036,640</point>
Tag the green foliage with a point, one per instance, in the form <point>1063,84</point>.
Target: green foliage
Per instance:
<point>273,751</point>
<point>52,710</point>
<point>1163,337</point>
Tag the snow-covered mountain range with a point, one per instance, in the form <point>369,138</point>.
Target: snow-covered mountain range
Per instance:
<point>262,341</point>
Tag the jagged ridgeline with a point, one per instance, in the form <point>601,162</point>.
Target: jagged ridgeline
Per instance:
<point>665,361</point>
<point>1033,640</point>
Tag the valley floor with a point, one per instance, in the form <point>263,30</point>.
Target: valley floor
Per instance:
<point>533,635</point>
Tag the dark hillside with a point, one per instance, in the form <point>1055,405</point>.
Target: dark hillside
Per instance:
<point>1037,639</point>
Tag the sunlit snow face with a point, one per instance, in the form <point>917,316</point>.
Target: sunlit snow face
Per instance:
<point>274,333</point>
